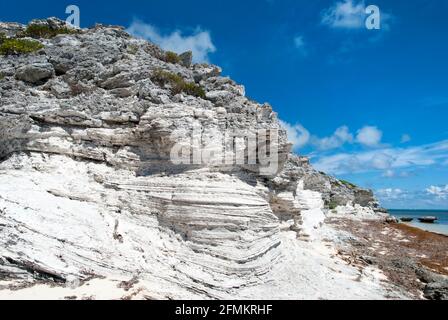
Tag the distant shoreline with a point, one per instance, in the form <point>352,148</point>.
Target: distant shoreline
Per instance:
<point>424,210</point>
<point>440,227</point>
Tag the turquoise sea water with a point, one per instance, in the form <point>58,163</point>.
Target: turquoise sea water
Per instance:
<point>441,226</point>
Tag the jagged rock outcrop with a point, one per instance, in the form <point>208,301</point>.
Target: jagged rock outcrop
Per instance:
<point>87,182</point>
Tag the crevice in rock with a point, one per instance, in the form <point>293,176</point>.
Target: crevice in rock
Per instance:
<point>37,271</point>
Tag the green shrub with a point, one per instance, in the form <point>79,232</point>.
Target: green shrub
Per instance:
<point>177,83</point>
<point>332,205</point>
<point>44,31</point>
<point>2,37</point>
<point>19,46</point>
<point>193,89</point>
<point>171,57</point>
<point>163,77</point>
<point>348,184</point>
<point>132,48</point>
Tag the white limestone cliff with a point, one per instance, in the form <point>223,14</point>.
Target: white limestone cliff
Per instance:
<point>88,190</point>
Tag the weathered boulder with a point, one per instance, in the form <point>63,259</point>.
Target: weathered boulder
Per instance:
<point>186,59</point>
<point>11,29</point>
<point>205,71</point>
<point>436,290</point>
<point>52,22</point>
<point>35,73</point>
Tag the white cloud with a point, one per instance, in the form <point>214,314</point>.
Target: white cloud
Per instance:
<point>391,162</point>
<point>406,174</point>
<point>297,134</point>
<point>390,194</point>
<point>299,42</point>
<point>381,161</point>
<point>389,174</point>
<point>393,174</point>
<point>439,192</point>
<point>432,197</point>
<point>200,42</point>
<point>346,14</point>
<point>369,136</point>
<point>300,45</point>
<point>405,138</point>
<point>384,159</point>
<point>351,14</point>
<point>341,136</point>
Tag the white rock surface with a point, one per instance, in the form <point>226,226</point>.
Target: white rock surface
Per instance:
<point>355,211</point>
<point>198,234</point>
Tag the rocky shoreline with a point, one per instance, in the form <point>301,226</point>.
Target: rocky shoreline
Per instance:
<point>411,258</point>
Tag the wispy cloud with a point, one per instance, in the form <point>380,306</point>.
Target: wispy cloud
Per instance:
<point>299,43</point>
<point>340,137</point>
<point>352,15</point>
<point>388,174</point>
<point>384,159</point>
<point>345,15</point>
<point>369,136</point>
<point>405,138</point>
<point>397,174</point>
<point>438,192</point>
<point>297,134</point>
<point>391,194</point>
<point>431,197</point>
<point>199,42</point>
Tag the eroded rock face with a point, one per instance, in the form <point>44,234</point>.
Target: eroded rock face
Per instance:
<point>10,29</point>
<point>88,188</point>
<point>74,219</point>
<point>297,170</point>
<point>186,58</point>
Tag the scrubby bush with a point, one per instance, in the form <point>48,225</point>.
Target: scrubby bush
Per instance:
<point>19,46</point>
<point>177,83</point>
<point>44,31</point>
<point>348,184</point>
<point>171,57</point>
<point>132,49</point>
<point>332,205</point>
<point>193,89</point>
<point>164,77</point>
<point>2,37</point>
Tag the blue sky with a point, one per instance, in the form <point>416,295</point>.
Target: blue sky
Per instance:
<point>369,106</point>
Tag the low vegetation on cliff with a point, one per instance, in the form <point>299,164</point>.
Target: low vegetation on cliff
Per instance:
<point>18,46</point>
<point>177,83</point>
<point>38,31</point>
<point>172,57</point>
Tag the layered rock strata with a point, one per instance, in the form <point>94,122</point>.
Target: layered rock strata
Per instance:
<point>89,188</point>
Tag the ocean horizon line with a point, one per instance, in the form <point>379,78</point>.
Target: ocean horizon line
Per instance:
<point>437,210</point>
